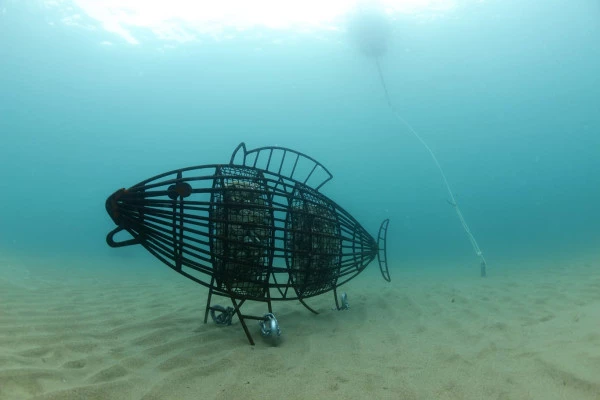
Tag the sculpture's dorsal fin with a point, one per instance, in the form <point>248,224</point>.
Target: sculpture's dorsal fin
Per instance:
<point>285,162</point>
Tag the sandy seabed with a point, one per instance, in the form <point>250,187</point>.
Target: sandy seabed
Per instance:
<point>83,330</point>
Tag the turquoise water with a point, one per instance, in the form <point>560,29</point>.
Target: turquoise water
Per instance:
<point>505,95</point>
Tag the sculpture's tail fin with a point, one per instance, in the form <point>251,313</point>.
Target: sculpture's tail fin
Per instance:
<point>382,251</point>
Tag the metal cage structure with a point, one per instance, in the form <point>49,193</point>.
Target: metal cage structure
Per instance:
<point>257,229</point>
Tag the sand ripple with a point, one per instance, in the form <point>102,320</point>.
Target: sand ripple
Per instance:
<point>528,333</point>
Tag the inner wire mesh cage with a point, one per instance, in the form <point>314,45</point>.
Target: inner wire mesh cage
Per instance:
<point>242,231</point>
<point>313,243</point>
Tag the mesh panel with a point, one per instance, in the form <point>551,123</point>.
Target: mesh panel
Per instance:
<point>314,243</point>
<point>243,230</point>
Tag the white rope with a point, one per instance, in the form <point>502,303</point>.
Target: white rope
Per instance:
<point>435,160</point>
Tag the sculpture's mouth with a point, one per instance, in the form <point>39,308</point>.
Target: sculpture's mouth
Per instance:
<point>112,207</point>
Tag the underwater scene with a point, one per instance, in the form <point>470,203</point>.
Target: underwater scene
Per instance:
<point>300,199</point>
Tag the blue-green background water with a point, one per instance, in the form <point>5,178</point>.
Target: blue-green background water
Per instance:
<point>507,96</point>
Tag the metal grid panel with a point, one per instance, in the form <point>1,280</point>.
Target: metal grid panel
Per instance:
<point>241,244</point>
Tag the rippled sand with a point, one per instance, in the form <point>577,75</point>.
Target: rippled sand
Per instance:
<point>81,329</point>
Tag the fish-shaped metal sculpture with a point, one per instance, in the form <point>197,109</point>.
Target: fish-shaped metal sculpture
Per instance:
<point>257,228</point>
